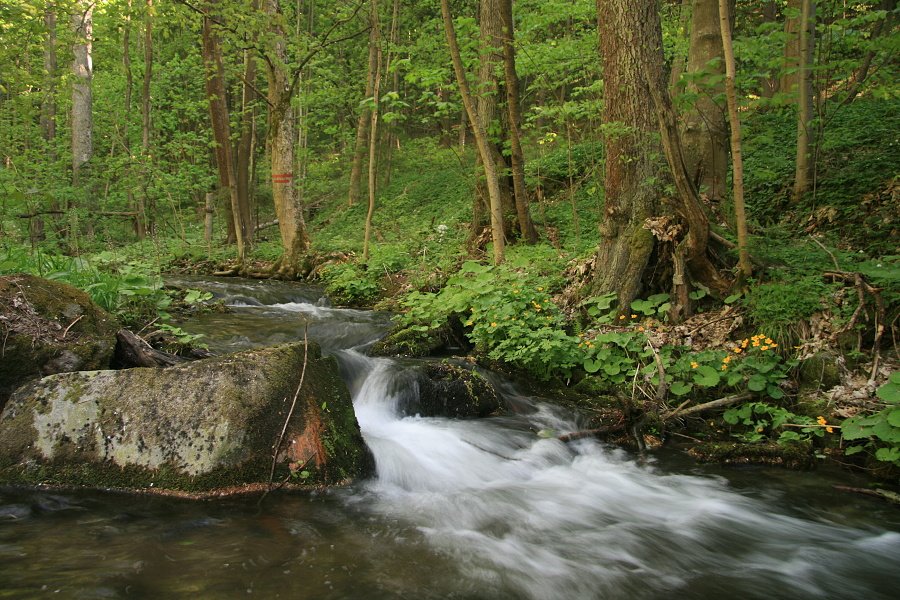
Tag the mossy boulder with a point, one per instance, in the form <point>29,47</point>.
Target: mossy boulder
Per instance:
<point>448,390</point>
<point>49,327</point>
<point>420,340</point>
<point>199,426</point>
<point>795,455</point>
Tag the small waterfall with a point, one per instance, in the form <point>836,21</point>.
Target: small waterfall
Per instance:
<point>535,518</point>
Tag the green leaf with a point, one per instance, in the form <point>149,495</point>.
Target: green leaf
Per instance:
<point>851,450</point>
<point>895,378</point>
<point>757,383</point>
<point>592,366</point>
<point>732,298</point>
<point>889,392</point>
<point>706,376</point>
<point>775,392</point>
<point>851,429</point>
<point>680,388</point>
<point>886,433</point>
<point>893,417</point>
<point>888,454</point>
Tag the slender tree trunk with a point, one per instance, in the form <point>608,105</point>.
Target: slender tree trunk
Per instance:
<point>373,127</point>
<point>679,62</point>
<point>744,267</point>
<point>769,83</point>
<point>362,125</point>
<point>218,112</point>
<point>144,219</point>
<point>126,134</point>
<point>48,105</point>
<point>705,132</point>
<point>245,146</point>
<point>484,148</point>
<point>517,156</point>
<point>805,165</point>
<point>281,137</point>
<point>82,97</point>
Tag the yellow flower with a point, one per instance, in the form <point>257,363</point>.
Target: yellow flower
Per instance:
<point>773,345</point>
<point>724,367</point>
<point>821,420</point>
<point>694,365</point>
<point>744,342</point>
<point>829,429</point>
<point>634,316</point>
<point>540,289</point>
<point>621,317</point>
<point>737,350</point>
<point>726,360</point>
<point>641,328</point>
<point>756,343</point>
<point>764,348</point>
<point>770,342</point>
<point>493,324</point>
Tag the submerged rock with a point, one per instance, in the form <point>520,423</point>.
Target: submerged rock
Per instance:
<point>198,426</point>
<point>447,390</point>
<point>49,327</point>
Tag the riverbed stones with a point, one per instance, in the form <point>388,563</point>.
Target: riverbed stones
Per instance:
<point>449,390</point>
<point>199,426</point>
<point>49,327</point>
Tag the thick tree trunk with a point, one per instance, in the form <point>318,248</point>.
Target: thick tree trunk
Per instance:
<point>705,134</point>
<point>631,180</point>
<point>281,136</point>
<point>82,100</point>
<point>805,164</point>
<point>790,76</point>
<point>487,102</point>
<point>517,156</point>
<point>218,112</point>
<point>631,48</point>
<point>484,147</point>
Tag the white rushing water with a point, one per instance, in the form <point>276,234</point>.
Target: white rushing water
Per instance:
<point>536,518</point>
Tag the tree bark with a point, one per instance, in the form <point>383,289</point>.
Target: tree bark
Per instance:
<point>805,164</point>
<point>481,139</point>
<point>246,147</point>
<point>48,105</point>
<point>144,220</point>
<point>82,99</point>
<point>705,134</point>
<point>517,156</point>
<point>218,112</point>
<point>362,124</point>
<point>744,267</point>
<point>282,123</point>
<point>375,23</point>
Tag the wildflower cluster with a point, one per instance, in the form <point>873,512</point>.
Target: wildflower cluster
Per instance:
<point>822,421</point>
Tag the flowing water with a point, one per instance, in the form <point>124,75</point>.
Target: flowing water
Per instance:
<point>459,509</point>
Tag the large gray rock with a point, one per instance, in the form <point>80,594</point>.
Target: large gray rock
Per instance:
<point>49,327</point>
<point>449,390</point>
<point>199,426</point>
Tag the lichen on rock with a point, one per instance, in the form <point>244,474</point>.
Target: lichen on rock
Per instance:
<point>199,426</point>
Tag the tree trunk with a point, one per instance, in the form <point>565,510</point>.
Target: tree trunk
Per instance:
<point>487,99</point>
<point>282,123</point>
<point>481,139</point>
<point>373,126</point>
<point>631,49</point>
<point>517,156</point>
<point>245,146</point>
<point>744,267</point>
<point>790,76</point>
<point>770,83</point>
<point>82,100</point>
<point>144,220</point>
<point>218,112</point>
<point>48,105</point>
<point>362,125</point>
<point>805,132</point>
<point>705,133</point>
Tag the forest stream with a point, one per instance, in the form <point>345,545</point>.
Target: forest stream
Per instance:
<point>467,509</point>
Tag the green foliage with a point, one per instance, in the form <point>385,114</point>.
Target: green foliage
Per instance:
<point>878,432</point>
<point>762,420</point>
<point>347,283</point>
<point>507,316</point>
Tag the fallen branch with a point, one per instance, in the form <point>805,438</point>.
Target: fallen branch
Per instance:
<point>587,433</point>
<point>133,351</point>
<point>727,401</point>
<point>78,318</point>
<point>892,497</point>
<point>290,414</point>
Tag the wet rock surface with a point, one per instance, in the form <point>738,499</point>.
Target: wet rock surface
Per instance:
<point>198,426</point>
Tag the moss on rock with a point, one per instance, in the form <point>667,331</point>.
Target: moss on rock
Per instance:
<point>49,327</point>
<point>796,455</point>
<point>198,426</point>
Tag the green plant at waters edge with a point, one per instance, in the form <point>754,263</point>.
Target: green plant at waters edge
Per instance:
<point>879,432</point>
